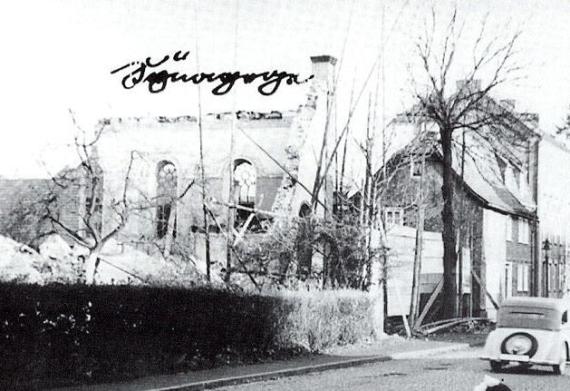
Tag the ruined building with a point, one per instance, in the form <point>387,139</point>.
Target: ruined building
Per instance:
<point>153,165</point>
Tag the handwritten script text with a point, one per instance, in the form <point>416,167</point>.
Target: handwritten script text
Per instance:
<point>157,77</point>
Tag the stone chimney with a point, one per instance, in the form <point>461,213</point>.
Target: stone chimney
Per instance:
<point>508,104</point>
<point>530,119</point>
<point>468,84</point>
<point>323,70</point>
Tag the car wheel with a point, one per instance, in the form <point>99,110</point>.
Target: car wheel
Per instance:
<point>529,343</point>
<point>496,366</point>
<point>561,368</point>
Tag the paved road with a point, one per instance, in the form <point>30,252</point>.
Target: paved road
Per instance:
<point>452,371</point>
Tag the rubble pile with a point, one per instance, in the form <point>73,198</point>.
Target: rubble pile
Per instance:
<point>18,262</point>
<point>59,262</point>
<point>123,264</point>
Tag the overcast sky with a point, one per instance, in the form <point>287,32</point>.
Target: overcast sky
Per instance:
<point>57,55</point>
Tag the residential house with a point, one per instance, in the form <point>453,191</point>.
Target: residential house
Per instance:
<point>551,182</point>
<point>495,213</point>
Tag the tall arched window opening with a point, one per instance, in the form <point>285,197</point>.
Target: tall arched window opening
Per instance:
<point>245,190</point>
<point>304,242</point>
<point>167,183</point>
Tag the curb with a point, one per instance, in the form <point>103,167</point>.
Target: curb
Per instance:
<point>257,377</point>
<point>429,352</point>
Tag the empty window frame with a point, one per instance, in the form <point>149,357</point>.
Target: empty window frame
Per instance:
<point>523,277</point>
<point>523,231</point>
<point>166,186</point>
<point>509,228</point>
<point>394,216</point>
<point>245,191</point>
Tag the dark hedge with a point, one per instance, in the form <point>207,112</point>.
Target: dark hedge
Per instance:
<point>62,334</point>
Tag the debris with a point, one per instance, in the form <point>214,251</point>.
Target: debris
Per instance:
<point>19,263</point>
<point>124,264</point>
<point>119,264</point>
<point>440,325</point>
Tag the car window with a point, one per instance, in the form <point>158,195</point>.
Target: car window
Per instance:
<point>529,317</point>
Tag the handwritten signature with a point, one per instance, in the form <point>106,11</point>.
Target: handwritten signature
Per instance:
<point>157,79</point>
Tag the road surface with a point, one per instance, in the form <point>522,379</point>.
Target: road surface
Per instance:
<point>454,371</point>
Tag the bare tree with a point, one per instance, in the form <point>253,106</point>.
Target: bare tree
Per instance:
<point>74,203</point>
<point>467,109</point>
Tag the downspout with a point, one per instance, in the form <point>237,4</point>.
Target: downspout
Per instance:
<point>537,264</point>
<point>537,291</point>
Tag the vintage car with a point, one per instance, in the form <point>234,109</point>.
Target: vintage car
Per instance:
<point>530,331</point>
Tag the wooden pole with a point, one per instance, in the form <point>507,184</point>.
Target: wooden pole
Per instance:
<point>230,210</point>
<point>367,204</point>
<point>460,234</point>
<point>231,197</point>
<point>203,175</point>
<point>384,150</point>
<point>244,266</point>
<point>546,267</point>
<point>415,302</point>
<point>429,304</point>
<point>478,280</point>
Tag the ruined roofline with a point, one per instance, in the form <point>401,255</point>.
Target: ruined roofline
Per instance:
<point>241,115</point>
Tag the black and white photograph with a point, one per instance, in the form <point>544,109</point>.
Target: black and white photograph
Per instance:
<point>285,195</point>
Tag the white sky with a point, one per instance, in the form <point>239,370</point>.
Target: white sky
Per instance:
<point>57,55</point>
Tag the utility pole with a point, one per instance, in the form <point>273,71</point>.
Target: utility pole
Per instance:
<point>384,149</point>
<point>416,280</point>
<point>368,196</point>
<point>231,198</point>
<point>231,201</point>
<point>203,179</point>
<point>459,311</point>
<point>203,175</point>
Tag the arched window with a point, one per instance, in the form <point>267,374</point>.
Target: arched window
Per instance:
<point>166,186</point>
<point>245,180</point>
<point>304,239</point>
<point>304,210</point>
<point>245,188</point>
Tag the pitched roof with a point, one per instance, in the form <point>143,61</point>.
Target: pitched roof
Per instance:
<point>481,180</point>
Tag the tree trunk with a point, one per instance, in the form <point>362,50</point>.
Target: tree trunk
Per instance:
<point>448,233</point>
<point>169,238</point>
<point>90,265</point>
<point>416,279</point>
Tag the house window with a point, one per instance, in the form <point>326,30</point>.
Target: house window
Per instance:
<point>415,168</point>
<point>523,231</point>
<point>522,278</point>
<point>394,216</point>
<point>167,183</point>
<point>509,224</point>
<point>526,276</point>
